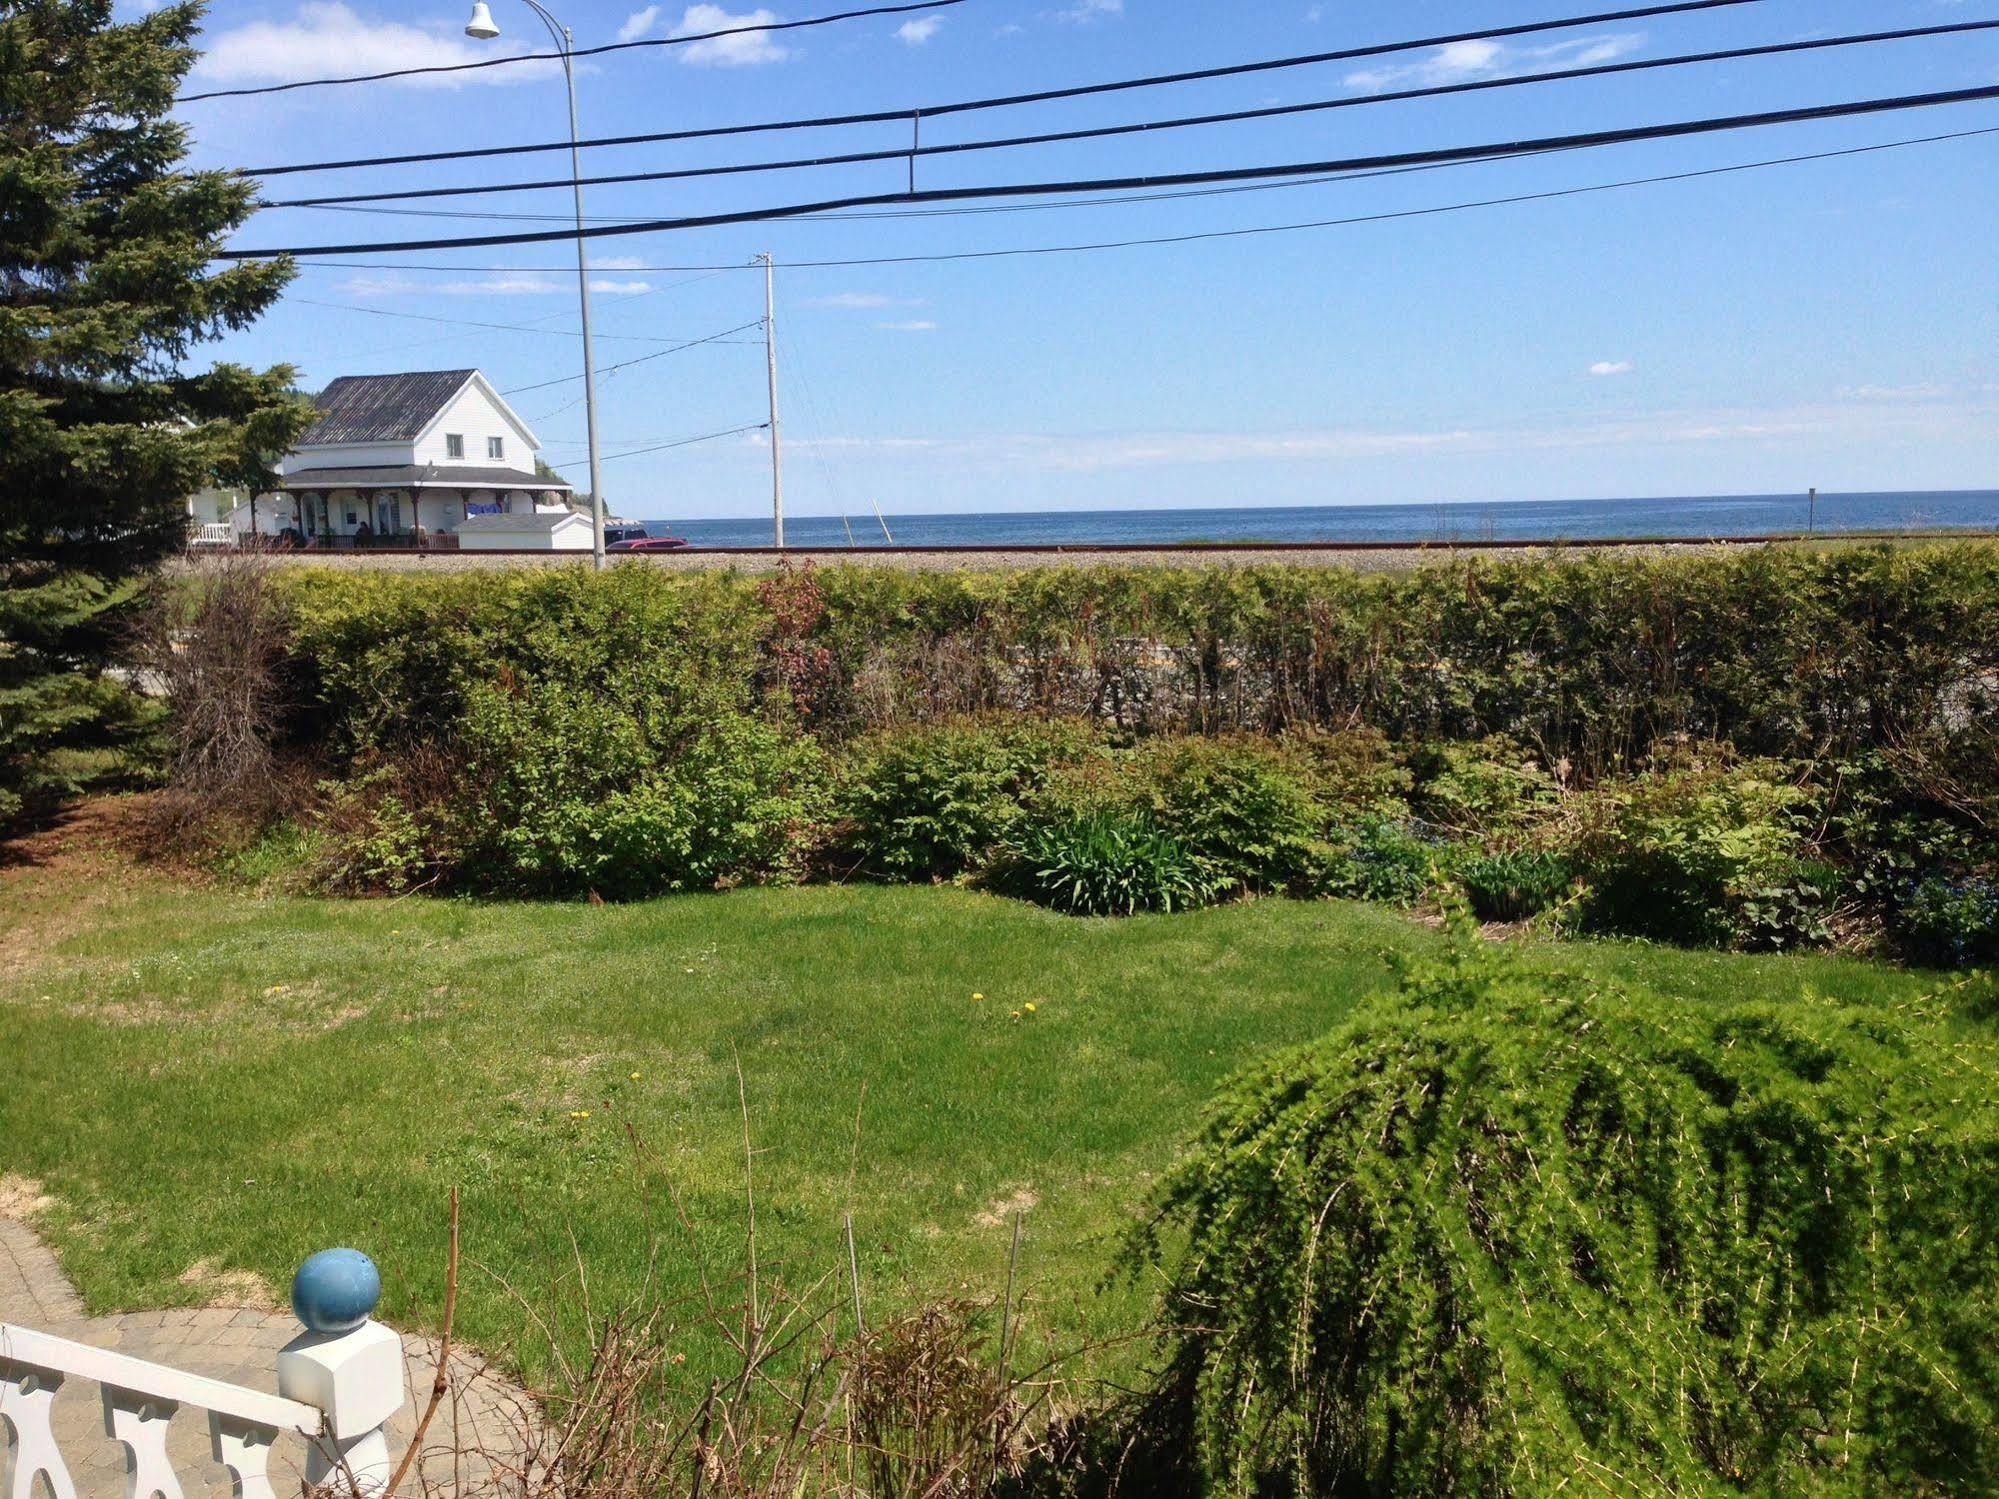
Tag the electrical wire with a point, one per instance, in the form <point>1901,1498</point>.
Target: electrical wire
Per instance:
<point>692,343</point>
<point>530,327</point>
<point>685,442</point>
<point>1585,141</point>
<point>1098,132</point>
<point>1179,239</point>
<point>565,57</point>
<point>938,111</point>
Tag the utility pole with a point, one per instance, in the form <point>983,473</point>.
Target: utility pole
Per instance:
<point>770,359</point>
<point>1812,514</point>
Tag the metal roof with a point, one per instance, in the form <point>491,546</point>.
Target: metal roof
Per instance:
<point>382,408</point>
<point>417,476</point>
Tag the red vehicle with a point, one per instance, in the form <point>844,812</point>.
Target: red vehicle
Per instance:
<point>649,544</point>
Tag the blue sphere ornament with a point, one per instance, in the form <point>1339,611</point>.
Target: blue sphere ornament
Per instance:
<point>335,1290</point>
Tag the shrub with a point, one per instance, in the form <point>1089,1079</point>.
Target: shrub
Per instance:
<point>577,792</point>
<point>1387,859</point>
<point>1242,808</point>
<point>1350,771</point>
<point>1514,1233</point>
<point>1952,923</point>
<point>1514,885</point>
<point>1491,786</point>
<point>1679,856</point>
<point>1108,864</point>
<point>934,801</point>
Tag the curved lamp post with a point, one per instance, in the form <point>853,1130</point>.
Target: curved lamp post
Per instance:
<point>484,28</point>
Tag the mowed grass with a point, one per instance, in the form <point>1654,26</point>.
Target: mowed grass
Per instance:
<point>199,1077</point>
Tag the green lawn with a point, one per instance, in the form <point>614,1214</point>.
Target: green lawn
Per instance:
<point>202,1075</point>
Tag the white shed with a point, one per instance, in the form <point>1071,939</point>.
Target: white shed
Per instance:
<point>543,531</point>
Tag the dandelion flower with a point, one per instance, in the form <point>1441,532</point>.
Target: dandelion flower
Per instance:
<point>977,997</point>
<point>635,1077</point>
<point>1029,1007</point>
<point>1013,1014</point>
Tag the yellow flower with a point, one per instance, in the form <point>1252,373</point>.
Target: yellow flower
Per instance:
<point>978,997</point>
<point>1029,1007</point>
<point>579,1113</point>
<point>635,1077</point>
<point>1013,1015</point>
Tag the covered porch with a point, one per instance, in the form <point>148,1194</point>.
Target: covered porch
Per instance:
<point>399,507</point>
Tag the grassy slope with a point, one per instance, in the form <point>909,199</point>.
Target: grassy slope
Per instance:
<point>200,1075</point>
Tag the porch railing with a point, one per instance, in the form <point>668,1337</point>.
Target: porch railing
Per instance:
<point>340,1381</point>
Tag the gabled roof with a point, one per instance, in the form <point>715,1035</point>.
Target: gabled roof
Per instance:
<point>382,408</point>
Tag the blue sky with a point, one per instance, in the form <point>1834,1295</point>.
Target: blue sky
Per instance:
<point>1832,323</point>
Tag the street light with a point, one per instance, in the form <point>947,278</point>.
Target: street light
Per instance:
<point>483,28</point>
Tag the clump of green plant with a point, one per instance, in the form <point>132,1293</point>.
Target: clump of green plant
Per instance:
<point>1489,786</point>
<point>1108,863</point>
<point>606,789</point>
<point>1243,808</point>
<point>1388,859</point>
<point>1952,923</point>
<point>1510,1232</point>
<point>934,802</point>
<point>1705,856</point>
<point>1515,884</point>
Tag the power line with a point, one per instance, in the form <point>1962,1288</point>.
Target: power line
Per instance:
<point>501,62</point>
<point>1586,141</point>
<point>937,111</point>
<point>1097,132</point>
<point>1178,239</point>
<point>687,442</point>
<point>530,327</point>
<point>693,343</point>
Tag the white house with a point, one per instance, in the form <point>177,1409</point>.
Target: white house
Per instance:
<point>407,459</point>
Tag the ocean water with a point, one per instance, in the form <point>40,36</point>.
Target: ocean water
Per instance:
<point>1697,516</point>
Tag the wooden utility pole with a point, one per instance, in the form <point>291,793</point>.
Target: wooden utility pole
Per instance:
<point>770,359</point>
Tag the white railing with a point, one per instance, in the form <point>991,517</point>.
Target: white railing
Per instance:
<point>340,1382</point>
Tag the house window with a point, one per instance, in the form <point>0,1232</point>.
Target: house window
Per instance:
<point>496,448</point>
<point>454,445</point>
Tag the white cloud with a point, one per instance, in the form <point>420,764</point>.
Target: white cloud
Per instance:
<point>863,300</point>
<point>621,288</point>
<point>1090,10</point>
<point>526,284</point>
<point>1922,391</point>
<point>638,24</point>
<point>744,49</point>
<point>916,33</point>
<point>1095,452</point>
<point>329,38</point>
<point>617,262</point>
<point>1470,62</point>
<point>1606,367</point>
<point>917,325</point>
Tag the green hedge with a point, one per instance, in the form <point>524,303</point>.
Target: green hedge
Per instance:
<point>1741,748</point>
<point>1591,660</point>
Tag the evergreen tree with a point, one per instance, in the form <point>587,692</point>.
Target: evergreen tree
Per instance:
<point>106,290</point>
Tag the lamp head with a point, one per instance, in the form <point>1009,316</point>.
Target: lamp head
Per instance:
<point>482,24</point>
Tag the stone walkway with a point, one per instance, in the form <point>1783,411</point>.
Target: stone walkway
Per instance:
<point>482,1420</point>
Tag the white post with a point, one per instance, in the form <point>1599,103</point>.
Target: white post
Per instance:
<point>770,360</point>
<point>349,1367</point>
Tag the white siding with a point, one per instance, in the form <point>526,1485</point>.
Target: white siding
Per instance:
<point>350,455</point>
<point>473,415</point>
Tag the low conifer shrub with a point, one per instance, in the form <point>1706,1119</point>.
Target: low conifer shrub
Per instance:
<point>1509,1233</point>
